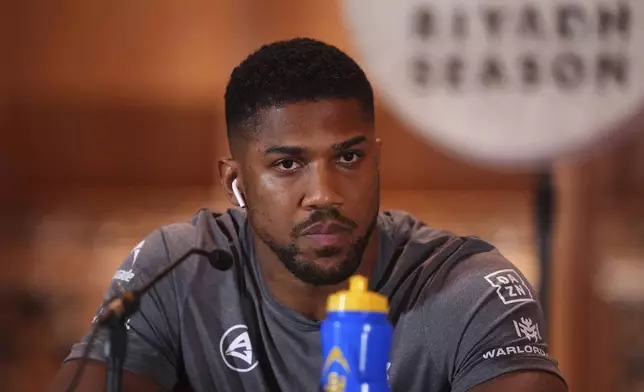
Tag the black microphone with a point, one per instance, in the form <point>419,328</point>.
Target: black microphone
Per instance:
<point>119,308</point>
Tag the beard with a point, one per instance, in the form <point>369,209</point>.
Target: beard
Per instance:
<point>308,271</point>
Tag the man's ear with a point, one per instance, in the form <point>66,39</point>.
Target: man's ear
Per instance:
<point>228,172</point>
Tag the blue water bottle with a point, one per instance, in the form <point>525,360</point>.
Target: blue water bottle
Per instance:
<point>356,339</point>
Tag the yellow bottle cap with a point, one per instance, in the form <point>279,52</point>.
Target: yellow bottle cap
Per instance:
<point>358,298</point>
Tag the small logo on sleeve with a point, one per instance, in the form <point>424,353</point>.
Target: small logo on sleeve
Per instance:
<point>527,329</point>
<point>124,275</point>
<point>136,250</point>
<point>127,275</point>
<point>510,287</point>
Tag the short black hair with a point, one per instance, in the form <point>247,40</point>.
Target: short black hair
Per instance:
<point>291,71</point>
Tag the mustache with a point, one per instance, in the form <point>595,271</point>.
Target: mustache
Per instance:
<point>323,215</point>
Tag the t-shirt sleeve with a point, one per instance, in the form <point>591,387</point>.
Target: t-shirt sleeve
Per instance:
<point>152,349</point>
<point>484,320</point>
<point>502,328</point>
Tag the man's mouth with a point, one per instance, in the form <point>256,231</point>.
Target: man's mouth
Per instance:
<point>326,233</point>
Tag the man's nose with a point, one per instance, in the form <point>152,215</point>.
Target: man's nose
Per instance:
<point>322,188</point>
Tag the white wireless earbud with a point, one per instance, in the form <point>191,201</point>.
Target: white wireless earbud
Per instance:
<point>238,195</point>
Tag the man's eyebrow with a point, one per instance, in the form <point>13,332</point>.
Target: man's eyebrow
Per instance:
<point>299,150</point>
<point>285,150</point>
<point>349,143</point>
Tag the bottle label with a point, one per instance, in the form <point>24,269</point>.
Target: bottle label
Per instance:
<point>336,369</point>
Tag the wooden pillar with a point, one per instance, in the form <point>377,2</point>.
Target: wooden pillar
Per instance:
<point>582,335</point>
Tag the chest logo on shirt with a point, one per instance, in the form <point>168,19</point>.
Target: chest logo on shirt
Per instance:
<point>236,349</point>
<point>510,287</point>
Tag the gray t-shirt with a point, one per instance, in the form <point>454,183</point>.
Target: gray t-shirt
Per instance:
<point>463,314</point>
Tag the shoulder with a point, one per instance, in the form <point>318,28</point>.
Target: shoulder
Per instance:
<point>432,268</point>
<point>419,244</point>
<point>418,259</point>
<point>483,273</point>
<point>476,313</point>
<point>402,229</point>
<point>418,240</point>
<point>205,229</point>
<point>227,224</point>
<point>436,268</point>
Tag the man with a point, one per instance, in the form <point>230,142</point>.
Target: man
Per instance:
<point>305,161</point>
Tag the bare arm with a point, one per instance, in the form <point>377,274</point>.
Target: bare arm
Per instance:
<point>524,381</point>
<point>93,379</point>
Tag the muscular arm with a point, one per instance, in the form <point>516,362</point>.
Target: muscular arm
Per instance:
<point>525,381</point>
<point>93,379</point>
<point>503,346</point>
<point>477,327</point>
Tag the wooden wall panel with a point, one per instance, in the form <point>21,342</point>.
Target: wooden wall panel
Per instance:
<point>112,144</point>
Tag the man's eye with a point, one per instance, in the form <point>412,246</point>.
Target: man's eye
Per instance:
<point>349,157</point>
<point>286,165</point>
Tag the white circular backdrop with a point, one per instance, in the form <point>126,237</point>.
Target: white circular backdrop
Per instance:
<point>505,82</point>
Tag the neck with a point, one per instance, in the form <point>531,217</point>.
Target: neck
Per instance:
<point>307,299</point>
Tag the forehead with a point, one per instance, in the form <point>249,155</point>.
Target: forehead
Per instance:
<point>312,123</point>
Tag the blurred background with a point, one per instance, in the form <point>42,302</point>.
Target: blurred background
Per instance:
<point>111,122</point>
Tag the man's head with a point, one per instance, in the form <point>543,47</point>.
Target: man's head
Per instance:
<point>300,124</point>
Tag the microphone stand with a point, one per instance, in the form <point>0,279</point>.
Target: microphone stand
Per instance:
<point>115,350</point>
